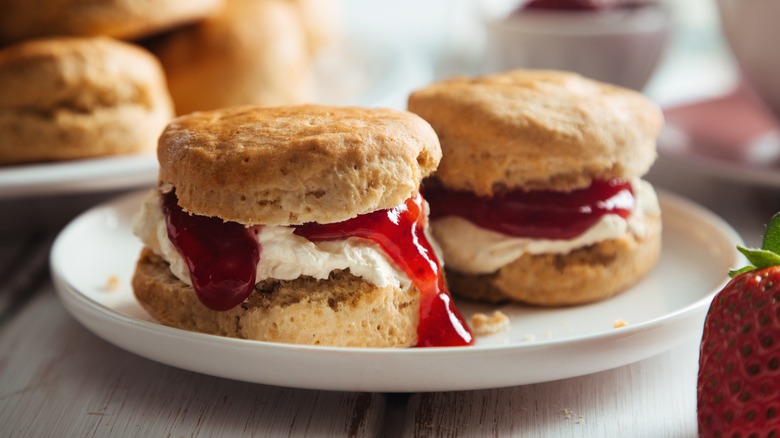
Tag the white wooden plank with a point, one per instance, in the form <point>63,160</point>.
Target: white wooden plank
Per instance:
<point>23,267</point>
<point>57,379</point>
<point>653,398</point>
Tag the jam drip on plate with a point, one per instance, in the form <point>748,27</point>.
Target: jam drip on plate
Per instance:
<point>536,214</point>
<point>399,232</point>
<point>221,256</point>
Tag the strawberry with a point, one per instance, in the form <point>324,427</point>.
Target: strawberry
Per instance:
<point>738,391</point>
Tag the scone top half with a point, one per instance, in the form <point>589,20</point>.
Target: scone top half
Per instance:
<point>292,165</point>
<point>537,130</point>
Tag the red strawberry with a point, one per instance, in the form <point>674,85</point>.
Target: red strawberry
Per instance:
<point>739,361</point>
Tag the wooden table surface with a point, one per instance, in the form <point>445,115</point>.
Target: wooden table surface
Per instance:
<point>57,379</point>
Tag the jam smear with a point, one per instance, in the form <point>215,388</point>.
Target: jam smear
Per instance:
<point>399,232</point>
<point>221,256</point>
<point>536,214</point>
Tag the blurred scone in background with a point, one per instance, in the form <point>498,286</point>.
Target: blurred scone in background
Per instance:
<point>250,52</point>
<point>72,89</point>
<point>123,19</point>
<point>77,97</point>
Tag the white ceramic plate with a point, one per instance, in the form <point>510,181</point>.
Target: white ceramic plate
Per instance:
<point>729,137</point>
<point>88,175</point>
<point>665,309</point>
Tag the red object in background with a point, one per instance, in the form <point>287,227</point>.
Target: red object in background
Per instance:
<point>729,128</point>
<point>591,5</point>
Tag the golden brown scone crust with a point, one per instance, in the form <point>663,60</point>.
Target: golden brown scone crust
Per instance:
<point>584,275</point>
<point>124,19</point>
<point>341,311</point>
<point>250,53</point>
<point>534,129</point>
<point>291,165</point>
<point>65,98</point>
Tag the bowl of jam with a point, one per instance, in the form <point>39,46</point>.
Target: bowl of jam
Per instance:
<point>615,41</point>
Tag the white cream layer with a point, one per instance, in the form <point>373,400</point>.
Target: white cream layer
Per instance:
<point>474,250</point>
<point>284,255</point>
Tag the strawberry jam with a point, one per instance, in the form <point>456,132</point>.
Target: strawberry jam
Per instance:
<point>399,232</point>
<point>536,214</point>
<point>221,256</point>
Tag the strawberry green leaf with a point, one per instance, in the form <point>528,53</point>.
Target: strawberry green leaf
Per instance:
<point>734,272</point>
<point>772,235</point>
<point>760,258</point>
<point>768,255</point>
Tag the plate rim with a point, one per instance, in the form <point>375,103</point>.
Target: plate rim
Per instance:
<point>77,302</point>
<point>87,175</point>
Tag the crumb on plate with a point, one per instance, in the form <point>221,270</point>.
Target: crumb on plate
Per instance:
<point>619,323</point>
<point>488,325</point>
<point>112,283</point>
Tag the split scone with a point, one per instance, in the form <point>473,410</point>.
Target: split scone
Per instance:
<point>298,225</point>
<point>539,197</point>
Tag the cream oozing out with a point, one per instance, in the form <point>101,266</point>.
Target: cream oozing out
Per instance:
<point>473,250</point>
<point>284,255</point>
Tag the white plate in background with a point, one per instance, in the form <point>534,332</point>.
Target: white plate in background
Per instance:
<point>78,176</point>
<point>662,311</point>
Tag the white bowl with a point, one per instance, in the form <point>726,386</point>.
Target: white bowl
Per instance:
<point>752,30</point>
<point>620,46</point>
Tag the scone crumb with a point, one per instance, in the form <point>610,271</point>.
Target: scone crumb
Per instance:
<point>112,283</point>
<point>619,323</point>
<point>488,325</point>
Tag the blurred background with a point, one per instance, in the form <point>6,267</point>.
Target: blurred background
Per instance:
<point>374,53</point>
<point>436,38</point>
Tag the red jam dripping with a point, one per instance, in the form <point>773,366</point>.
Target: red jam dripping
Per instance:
<point>221,256</point>
<point>574,5</point>
<point>536,214</point>
<point>399,232</point>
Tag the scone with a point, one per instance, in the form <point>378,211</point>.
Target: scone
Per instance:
<point>124,19</point>
<point>298,225</point>
<point>322,22</point>
<point>539,197</point>
<point>66,98</point>
<point>250,53</point>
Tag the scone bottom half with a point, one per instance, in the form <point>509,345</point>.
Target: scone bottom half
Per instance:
<point>371,279</point>
<point>539,198</point>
